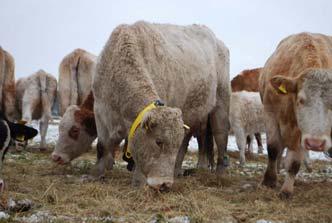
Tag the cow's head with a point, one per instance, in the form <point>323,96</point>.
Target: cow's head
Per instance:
<point>155,145</point>
<point>77,131</point>
<point>312,91</point>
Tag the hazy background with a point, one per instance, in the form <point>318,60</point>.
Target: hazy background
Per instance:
<point>39,33</point>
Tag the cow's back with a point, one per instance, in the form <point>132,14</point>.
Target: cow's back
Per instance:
<point>7,78</point>
<point>75,77</point>
<point>185,66</point>
<point>247,80</point>
<point>39,90</point>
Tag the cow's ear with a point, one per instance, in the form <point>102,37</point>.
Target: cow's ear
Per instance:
<point>284,85</point>
<point>20,131</point>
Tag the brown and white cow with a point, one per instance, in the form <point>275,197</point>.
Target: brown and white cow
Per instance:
<point>296,90</point>
<point>35,96</point>
<point>248,80</point>
<point>77,131</point>
<point>75,77</point>
<point>7,84</point>
<point>187,67</point>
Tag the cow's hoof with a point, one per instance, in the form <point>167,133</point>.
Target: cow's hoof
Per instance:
<point>285,195</point>
<point>271,183</point>
<point>189,172</point>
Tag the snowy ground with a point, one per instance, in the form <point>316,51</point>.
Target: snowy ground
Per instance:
<point>52,136</point>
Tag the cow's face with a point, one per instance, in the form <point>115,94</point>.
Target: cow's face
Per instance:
<point>77,131</point>
<point>155,145</point>
<point>312,104</point>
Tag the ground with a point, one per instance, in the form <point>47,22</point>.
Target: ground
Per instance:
<point>68,194</point>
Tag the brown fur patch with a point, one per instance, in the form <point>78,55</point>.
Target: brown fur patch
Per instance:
<point>247,80</point>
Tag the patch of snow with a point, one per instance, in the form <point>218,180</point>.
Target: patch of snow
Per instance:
<point>3,215</point>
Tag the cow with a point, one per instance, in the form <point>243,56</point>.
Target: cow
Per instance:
<point>295,87</point>
<point>151,80</point>
<point>7,84</point>
<point>11,131</point>
<point>77,131</point>
<point>247,80</point>
<point>35,95</point>
<point>246,118</point>
<point>75,77</point>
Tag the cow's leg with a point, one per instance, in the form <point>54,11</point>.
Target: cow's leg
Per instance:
<point>241,144</point>
<point>202,150</point>
<point>274,148</point>
<point>259,142</point>
<point>107,143</point>
<point>251,145</point>
<point>293,163</point>
<point>43,126</point>
<point>307,161</point>
<point>182,152</point>
<point>220,127</point>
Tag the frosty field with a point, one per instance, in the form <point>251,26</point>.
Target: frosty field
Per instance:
<point>68,194</point>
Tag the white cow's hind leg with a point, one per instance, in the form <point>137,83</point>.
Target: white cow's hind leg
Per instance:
<point>43,126</point>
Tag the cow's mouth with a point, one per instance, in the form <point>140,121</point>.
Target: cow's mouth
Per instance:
<point>313,144</point>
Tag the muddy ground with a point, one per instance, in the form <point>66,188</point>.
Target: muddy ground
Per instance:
<point>68,194</point>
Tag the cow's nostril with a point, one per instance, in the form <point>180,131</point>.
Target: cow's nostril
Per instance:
<point>164,187</point>
<point>56,158</point>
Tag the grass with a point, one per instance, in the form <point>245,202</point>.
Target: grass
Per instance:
<point>203,197</point>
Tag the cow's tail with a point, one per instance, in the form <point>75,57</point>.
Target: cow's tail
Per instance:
<point>74,97</point>
<point>2,75</point>
<point>46,106</point>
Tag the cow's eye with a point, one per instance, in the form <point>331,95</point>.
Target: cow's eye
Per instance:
<point>159,143</point>
<point>301,101</point>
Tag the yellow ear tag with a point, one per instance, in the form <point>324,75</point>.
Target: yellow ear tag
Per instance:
<point>20,138</point>
<point>186,126</point>
<point>282,88</point>
<point>23,122</point>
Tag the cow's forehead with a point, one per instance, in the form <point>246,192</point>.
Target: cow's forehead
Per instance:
<point>316,81</point>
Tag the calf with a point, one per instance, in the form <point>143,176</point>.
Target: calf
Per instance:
<point>296,90</point>
<point>35,95</point>
<point>7,84</point>
<point>75,77</point>
<point>8,131</point>
<point>246,118</point>
<point>248,80</point>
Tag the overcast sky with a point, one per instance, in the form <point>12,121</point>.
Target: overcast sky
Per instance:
<point>39,33</point>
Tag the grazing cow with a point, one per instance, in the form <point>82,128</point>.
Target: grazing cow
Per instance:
<point>75,77</point>
<point>246,118</point>
<point>7,84</point>
<point>143,64</point>
<point>296,90</point>
<point>35,95</point>
<point>8,131</point>
<point>248,80</point>
<point>77,131</point>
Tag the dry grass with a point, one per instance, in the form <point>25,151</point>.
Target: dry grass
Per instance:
<point>202,197</point>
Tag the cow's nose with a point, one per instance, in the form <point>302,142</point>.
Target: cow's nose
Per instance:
<point>56,158</point>
<point>165,187</point>
<point>315,144</point>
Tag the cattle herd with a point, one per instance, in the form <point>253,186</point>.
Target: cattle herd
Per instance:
<point>155,86</point>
